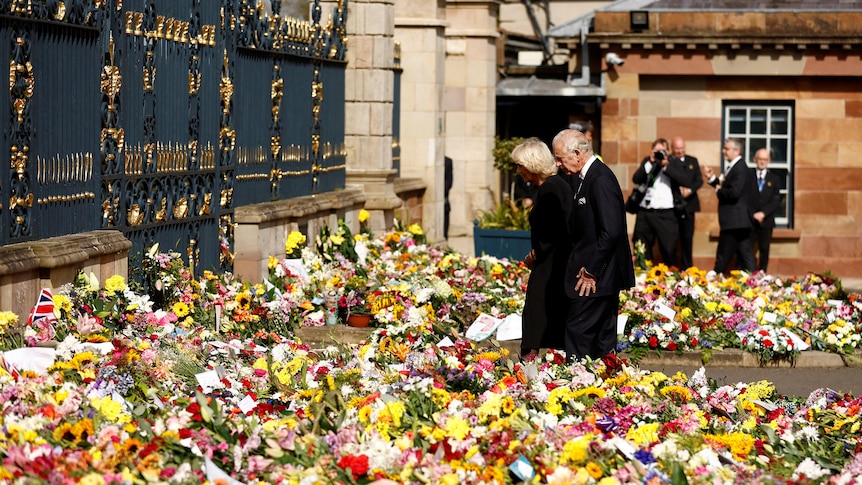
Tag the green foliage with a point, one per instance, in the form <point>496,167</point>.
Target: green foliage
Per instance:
<point>507,215</point>
<point>503,153</point>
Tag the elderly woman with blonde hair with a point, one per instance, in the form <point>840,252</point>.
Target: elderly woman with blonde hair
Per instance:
<point>546,305</point>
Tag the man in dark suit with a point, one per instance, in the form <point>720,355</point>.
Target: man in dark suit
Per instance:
<point>734,209</point>
<point>656,218</point>
<point>766,200</point>
<point>601,261</point>
<point>692,180</point>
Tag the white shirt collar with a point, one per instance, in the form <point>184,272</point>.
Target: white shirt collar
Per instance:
<point>587,167</point>
<point>731,163</point>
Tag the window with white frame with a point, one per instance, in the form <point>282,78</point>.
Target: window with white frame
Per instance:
<point>766,125</point>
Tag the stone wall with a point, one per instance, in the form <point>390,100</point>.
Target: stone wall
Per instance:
<point>657,93</point>
<point>27,268</point>
<point>262,229</point>
<point>369,93</point>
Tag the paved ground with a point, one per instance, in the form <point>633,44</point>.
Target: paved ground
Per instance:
<point>791,382</point>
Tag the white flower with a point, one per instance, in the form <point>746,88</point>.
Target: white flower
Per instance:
<point>810,470</point>
<point>809,433</point>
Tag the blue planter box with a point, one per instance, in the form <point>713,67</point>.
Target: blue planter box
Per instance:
<point>501,243</point>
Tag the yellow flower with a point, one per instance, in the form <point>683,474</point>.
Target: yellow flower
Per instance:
<point>577,450</point>
<point>92,479</point>
<point>7,320</point>
<point>112,410</point>
<point>450,479</point>
<point>180,309</point>
<point>261,364</point>
<point>272,262</point>
<point>364,215</point>
<point>336,239</point>
<point>643,434</point>
<point>594,470</point>
<point>415,229</point>
<point>740,444</point>
<point>558,396</point>
<point>295,240</point>
<point>243,299</point>
<point>62,302</point>
<point>114,284</point>
<point>456,427</point>
<point>677,393</point>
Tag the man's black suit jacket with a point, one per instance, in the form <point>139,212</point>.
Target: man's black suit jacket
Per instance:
<point>767,200</point>
<point>691,178</point>
<point>600,241</point>
<point>734,198</point>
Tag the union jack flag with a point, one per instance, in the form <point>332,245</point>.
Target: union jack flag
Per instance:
<point>44,308</point>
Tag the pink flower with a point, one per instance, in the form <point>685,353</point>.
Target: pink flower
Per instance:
<point>88,324</point>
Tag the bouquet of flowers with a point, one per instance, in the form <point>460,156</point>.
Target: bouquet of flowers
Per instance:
<point>329,244</point>
<point>770,343</point>
<point>294,244</point>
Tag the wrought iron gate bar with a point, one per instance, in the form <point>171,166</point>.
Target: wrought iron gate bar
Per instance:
<point>147,119</point>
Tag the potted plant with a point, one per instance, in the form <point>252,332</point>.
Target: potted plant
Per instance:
<point>504,232</point>
<point>354,302</point>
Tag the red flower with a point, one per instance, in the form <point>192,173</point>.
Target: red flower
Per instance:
<point>653,342</point>
<point>767,343</point>
<point>358,464</point>
<point>671,345</point>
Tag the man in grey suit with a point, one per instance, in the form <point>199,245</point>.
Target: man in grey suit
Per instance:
<point>734,209</point>
<point>600,265</point>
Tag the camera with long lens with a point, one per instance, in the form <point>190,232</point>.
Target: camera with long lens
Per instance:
<point>660,155</point>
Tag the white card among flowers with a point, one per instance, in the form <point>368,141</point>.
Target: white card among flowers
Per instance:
<point>483,327</point>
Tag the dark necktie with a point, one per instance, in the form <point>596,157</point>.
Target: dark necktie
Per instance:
<point>760,182</point>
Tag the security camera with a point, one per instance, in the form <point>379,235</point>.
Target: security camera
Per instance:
<point>613,59</point>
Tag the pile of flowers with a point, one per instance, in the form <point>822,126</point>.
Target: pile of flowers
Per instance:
<point>211,385</point>
<point>771,317</point>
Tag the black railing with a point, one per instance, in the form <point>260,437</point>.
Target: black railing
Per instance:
<point>158,118</point>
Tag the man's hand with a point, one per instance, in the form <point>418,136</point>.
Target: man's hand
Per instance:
<point>685,191</point>
<point>759,216</point>
<point>586,283</point>
<point>530,260</point>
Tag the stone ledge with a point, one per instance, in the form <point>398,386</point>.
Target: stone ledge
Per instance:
<point>404,185</point>
<point>61,251</point>
<point>317,337</point>
<point>298,207</point>
<point>778,234</point>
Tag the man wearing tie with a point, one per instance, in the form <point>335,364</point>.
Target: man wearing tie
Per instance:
<point>734,209</point>
<point>766,200</point>
<point>600,264</point>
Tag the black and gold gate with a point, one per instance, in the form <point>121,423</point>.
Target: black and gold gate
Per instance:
<point>158,118</point>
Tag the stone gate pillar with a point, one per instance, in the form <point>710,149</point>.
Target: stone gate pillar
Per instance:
<point>469,104</point>
<point>369,92</point>
<point>420,27</point>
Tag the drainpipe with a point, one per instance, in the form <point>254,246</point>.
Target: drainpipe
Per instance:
<point>584,80</point>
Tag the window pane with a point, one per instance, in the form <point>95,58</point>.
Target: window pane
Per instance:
<point>779,122</point>
<point>782,175</point>
<point>779,151</point>
<point>781,212</point>
<point>758,122</point>
<point>755,144</point>
<point>736,122</point>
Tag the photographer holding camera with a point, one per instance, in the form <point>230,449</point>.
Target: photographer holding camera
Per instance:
<point>656,216</point>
